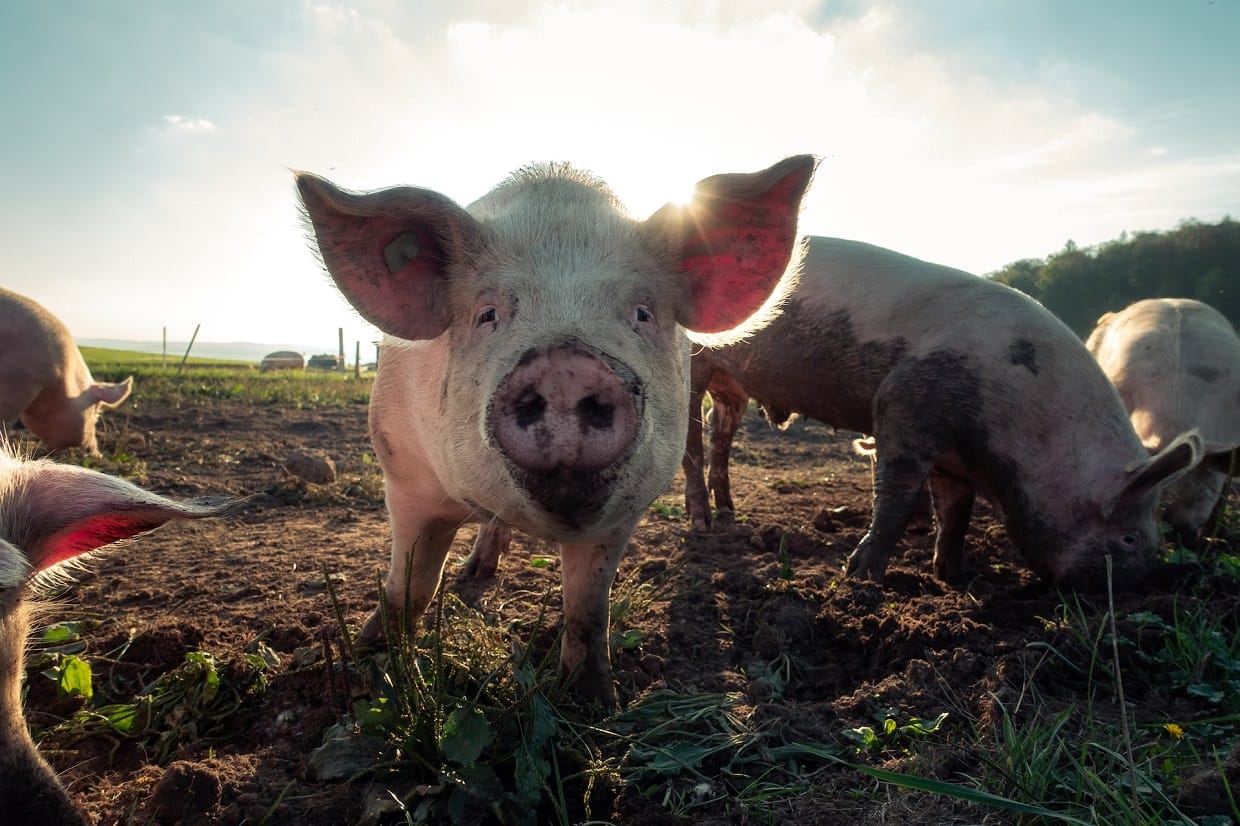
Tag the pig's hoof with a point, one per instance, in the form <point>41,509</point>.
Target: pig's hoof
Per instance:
<point>597,691</point>
<point>478,566</point>
<point>952,573</point>
<point>864,568</point>
<point>373,633</point>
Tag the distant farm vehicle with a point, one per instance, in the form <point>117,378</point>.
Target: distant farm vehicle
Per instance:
<point>325,361</point>
<point>282,360</point>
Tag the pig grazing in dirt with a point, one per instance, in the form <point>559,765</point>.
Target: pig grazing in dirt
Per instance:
<point>536,365</point>
<point>1176,364</point>
<point>43,379</point>
<point>962,381</point>
<point>51,513</point>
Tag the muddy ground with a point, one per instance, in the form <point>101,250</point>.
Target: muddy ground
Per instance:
<point>726,600</point>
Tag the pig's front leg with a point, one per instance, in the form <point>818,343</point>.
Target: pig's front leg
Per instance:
<point>419,548</point>
<point>589,569</point>
<point>898,481</point>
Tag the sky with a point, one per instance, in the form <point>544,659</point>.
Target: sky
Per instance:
<point>146,147</point>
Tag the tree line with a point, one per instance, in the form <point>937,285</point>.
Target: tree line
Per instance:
<point>1195,260</point>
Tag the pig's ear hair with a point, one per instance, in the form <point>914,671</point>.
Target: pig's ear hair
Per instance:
<point>389,251</point>
<point>1183,454</point>
<point>55,512</point>
<point>735,240</point>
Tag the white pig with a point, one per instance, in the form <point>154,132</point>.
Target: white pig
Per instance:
<point>51,513</point>
<point>536,366</point>
<point>43,379</point>
<point>1176,364</point>
<point>964,382</point>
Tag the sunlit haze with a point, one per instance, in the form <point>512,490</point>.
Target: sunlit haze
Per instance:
<point>147,146</point>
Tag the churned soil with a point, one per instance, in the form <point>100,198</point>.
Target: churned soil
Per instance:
<point>763,587</point>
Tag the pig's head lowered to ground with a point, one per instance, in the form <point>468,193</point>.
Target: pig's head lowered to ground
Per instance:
<point>536,364</point>
<point>51,513</point>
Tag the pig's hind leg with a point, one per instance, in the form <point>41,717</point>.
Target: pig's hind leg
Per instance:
<point>953,507</point>
<point>492,542</point>
<point>697,499</point>
<point>728,404</point>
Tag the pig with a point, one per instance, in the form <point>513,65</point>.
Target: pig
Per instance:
<point>1176,364</point>
<point>964,383</point>
<point>45,382</point>
<point>535,365</point>
<point>51,514</point>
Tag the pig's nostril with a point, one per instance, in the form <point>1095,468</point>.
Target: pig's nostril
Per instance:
<point>595,414</point>
<point>529,407</point>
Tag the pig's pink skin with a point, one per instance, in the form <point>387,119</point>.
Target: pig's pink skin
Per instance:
<point>45,382</point>
<point>1176,365</point>
<point>536,365</point>
<point>50,513</point>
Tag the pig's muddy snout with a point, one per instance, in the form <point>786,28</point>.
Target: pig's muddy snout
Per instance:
<point>564,416</point>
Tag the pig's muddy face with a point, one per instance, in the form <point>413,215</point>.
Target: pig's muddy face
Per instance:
<point>1130,538</point>
<point>575,368</point>
<point>1121,524</point>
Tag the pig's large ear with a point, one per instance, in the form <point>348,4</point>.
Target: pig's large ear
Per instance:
<point>735,240</point>
<point>110,395</point>
<point>1184,453</point>
<point>55,512</point>
<point>388,251</point>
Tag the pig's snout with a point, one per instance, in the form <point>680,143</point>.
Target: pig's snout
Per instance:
<point>565,408</point>
<point>564,417</point>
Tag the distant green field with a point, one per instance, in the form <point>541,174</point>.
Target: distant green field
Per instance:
<point>104,355</point>
<point>205,379</point>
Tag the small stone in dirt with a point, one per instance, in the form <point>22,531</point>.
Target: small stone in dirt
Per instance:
<point>316,584</point>
<point>311,466</point>
<point>831,520</point>
<point>307,656</point>
<point>186,789</point>
<point>759,690</point>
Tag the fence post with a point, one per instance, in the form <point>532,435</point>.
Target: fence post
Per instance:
<point>181,367</point>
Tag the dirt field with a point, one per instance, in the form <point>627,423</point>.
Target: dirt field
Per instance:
<point>729,604</point>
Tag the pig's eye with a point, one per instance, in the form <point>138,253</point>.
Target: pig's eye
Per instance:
<point>642,316</point>
<point>1128,541</point>
<point>487,315</point>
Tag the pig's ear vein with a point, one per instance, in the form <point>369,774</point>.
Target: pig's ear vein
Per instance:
<point>92,533</point>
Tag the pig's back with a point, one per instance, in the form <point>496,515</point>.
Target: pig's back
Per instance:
<point>859,310</point>
<point>32,351</point>
<point>1176,363</point>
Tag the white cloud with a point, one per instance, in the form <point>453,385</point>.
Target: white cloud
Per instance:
<point>182,123</point>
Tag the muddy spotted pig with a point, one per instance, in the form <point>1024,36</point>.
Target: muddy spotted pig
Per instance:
<point>536,364</point>
<point>1176,364</point>
<point>963,382</point>
<point>50,513</point>
<point>43,379</point>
